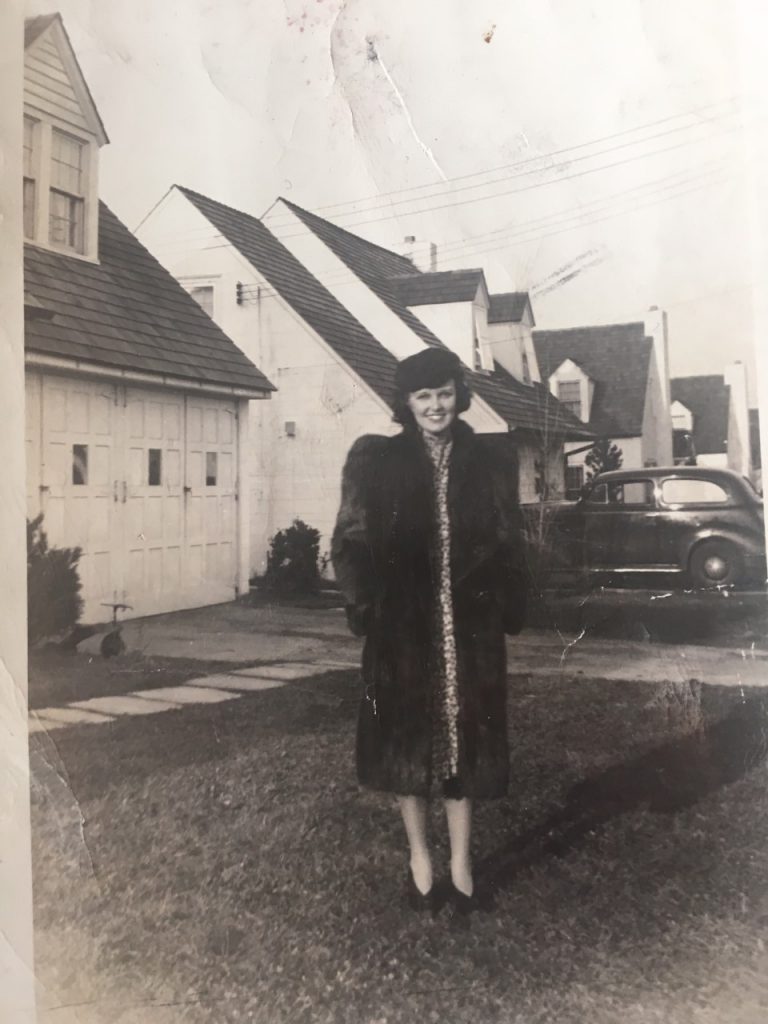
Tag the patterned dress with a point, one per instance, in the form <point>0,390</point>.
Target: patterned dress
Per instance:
<point>445,732</point>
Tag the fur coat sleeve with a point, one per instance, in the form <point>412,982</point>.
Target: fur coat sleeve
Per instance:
<point>350,550</point>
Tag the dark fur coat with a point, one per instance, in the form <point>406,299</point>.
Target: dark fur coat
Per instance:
<point>384,553</point>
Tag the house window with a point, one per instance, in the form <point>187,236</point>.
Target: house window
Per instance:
<point>569,395</point>
<point>30,185</point>
<point>203,296</point>
<point>574,482</point>
<point>155,467</point>
<point>477,355</point>
<point>211,468</point>
<point>67,200</point>
<point>526,370</point>
<point>80,464</point>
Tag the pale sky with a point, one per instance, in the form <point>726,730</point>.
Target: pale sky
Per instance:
<point>331,101</point>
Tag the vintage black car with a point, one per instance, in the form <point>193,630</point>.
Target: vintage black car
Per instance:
<point>704,525</point>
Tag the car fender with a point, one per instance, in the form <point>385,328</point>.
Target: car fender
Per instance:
<point>744,544</point>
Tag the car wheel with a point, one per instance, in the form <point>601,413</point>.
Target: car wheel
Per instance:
<point>715,563</point>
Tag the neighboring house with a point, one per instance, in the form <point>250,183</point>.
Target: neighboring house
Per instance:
<point>710,415</point>
<point>613,378</point>
<point>136,400</point>
<point>327,315</point>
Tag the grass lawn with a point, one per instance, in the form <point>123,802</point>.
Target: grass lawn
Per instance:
<point>219,864</point>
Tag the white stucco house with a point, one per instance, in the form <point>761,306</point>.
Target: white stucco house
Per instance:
<point>711,420</point>
<point>326,315</point>
<point>614,377</point>
<point>137,402</point>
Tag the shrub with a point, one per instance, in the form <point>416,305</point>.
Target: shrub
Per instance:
<point>293,560</point>
<point>602,457</point>
<point>53,585</point>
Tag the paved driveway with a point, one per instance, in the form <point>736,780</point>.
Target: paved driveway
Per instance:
<point>241,634</point>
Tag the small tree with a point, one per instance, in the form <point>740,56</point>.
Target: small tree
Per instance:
<point>293,560</point>
<point>53,585</point>
<point>603,456</point>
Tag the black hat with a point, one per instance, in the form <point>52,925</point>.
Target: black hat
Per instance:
<point>429,368</point>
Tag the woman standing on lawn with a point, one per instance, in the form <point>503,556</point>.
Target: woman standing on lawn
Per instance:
<point>427,551</point>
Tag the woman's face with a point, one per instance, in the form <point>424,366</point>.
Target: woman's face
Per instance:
<point>434,409</point>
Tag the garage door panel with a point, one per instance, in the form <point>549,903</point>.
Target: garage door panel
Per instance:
<point>173,468</point>
<point>144,482</point>
<point>101,414</point>
<point>154,520</point>
<point>194,424</point>
<point>100,524</point>
<point>172,414</point>
<point>100,466</point>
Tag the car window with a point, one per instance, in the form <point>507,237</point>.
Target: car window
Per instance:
<point>692,492</point>
<point>626,493</point>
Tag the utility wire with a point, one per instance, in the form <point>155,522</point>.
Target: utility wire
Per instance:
<point>524,237</point>
<point>528,161</point>
<point>524,188</point>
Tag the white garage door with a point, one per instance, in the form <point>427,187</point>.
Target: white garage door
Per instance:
<point>144,481</point>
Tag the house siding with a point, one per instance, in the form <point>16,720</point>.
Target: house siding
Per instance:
<point>47,87</point>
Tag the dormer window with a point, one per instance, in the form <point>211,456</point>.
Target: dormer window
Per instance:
<point>30,176</point>
<point>67,194</point>
<point>569,395</point>
<point>477,355</point>
<point>526,370</point>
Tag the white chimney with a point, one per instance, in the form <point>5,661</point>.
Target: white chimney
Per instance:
<point>655,321</point>
<point>655,324</point>
<point>423,255</point>
<point>738,419</point>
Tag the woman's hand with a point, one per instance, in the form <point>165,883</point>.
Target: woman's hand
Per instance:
<point>359,618</point>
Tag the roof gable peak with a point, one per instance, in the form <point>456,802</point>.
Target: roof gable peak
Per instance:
<point>51,26</point>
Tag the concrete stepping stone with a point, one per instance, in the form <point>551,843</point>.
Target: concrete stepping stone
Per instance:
<point>245,684</point>
<point>186,694</point>
<point>127,704</point>
<point>37,724</point>
<point>288,670</point>
<point>71,715</point>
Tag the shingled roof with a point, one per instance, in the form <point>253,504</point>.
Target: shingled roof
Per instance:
<point>301,290</point>
<point>617,359</point>
<point>127,313</point>
<point>438,287</point>
<point>507,307</point>
<point>528,408</point>
<point>708,400</point>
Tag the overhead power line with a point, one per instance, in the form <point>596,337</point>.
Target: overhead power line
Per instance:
<point>526,163</point>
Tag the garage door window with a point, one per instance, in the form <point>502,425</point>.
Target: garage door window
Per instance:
<point>80,464</point>
<point>155,467</point>
<point>692,492</point>
<point>211,468</point>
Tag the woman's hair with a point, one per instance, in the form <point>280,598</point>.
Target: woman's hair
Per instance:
<point>430,368</point>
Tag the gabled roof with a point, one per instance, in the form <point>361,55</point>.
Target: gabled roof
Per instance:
<point>438,287</point>
<point>523,407</point>
<point>617,358</point>
<point>508,307</point>
<point>33,29</point>
<point>708,399</point>
<point>127,313</point>
<point>303,292</point>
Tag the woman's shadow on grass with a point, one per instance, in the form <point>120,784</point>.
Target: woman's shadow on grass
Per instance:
<point>666,779</point>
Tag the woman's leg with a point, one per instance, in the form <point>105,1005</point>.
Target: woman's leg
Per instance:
<point>414,812</point>
<point>458,814</point>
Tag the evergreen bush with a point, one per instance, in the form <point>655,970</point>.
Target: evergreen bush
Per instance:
<point>53,585</point>
<point>293,560</point>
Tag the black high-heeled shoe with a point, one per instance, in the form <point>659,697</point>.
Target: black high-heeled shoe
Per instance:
<point>481,901</point>
<point>417,900</point>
